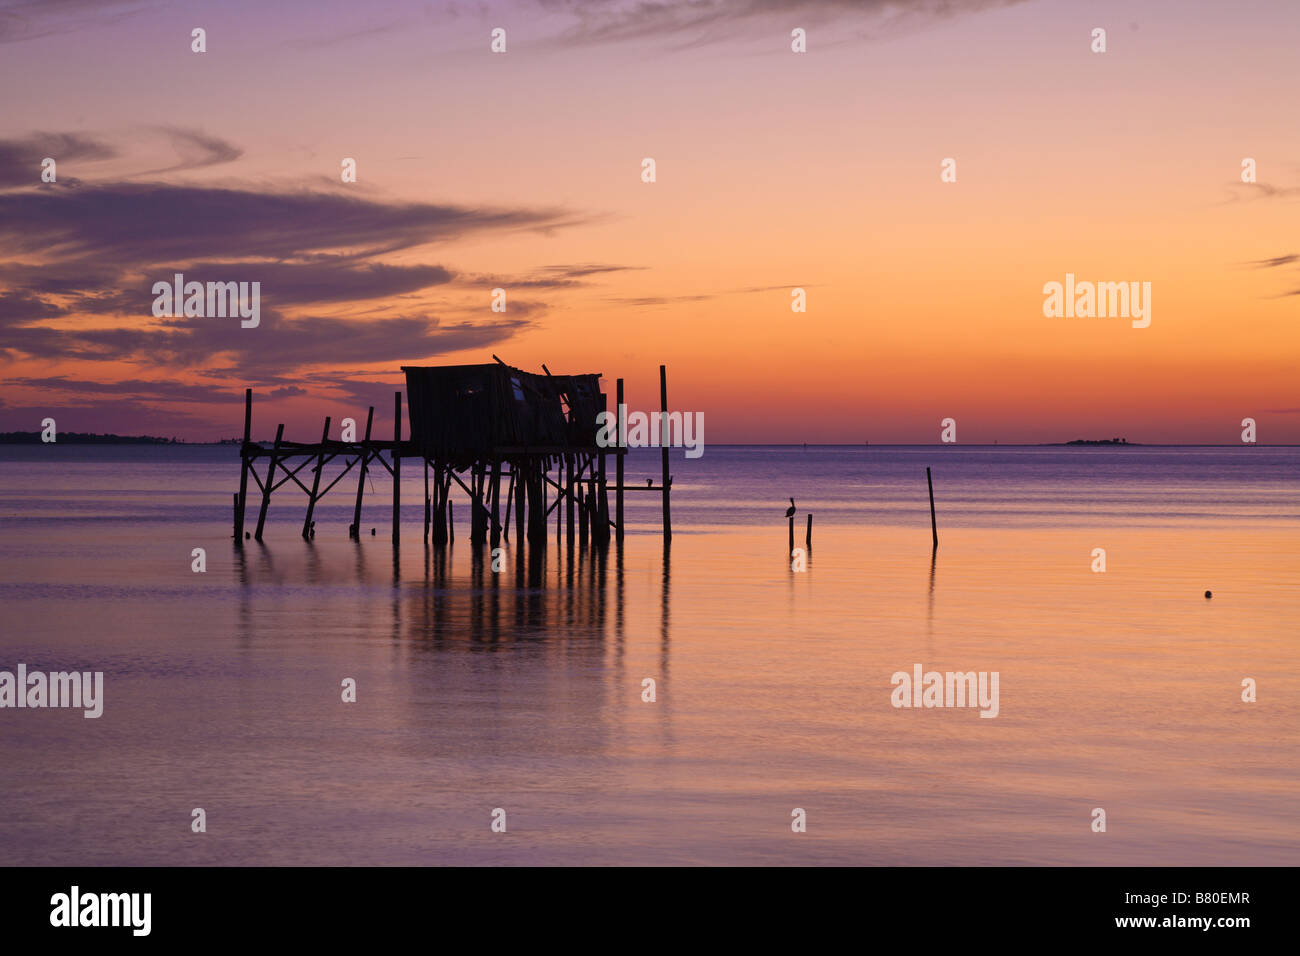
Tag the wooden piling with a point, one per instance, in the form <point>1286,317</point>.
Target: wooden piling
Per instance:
<point>427,504</point>
<point>568,495</point>
<point>600,526</point>
<point>244,466</point>
<point>808,537</point>
<point>438,533</point>
<point>520,470</point>
<point>397,466</point>
<point>315,482</point>
<point>478,525</point>
<point>536,505</point>
<point>361,479</point>
<point>510,498</point>
<point>663,405</point>
<point>582,516</point>
<point>934,527</point>
<point>235,496</point>
<point>618,466</point>
<point>270,478</point>
<point>791,548</point>
<point>496,495</point>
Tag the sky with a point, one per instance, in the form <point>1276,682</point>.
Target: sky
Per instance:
<point>774,170</point>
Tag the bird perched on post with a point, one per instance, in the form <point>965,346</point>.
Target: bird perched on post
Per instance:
<point>789,512</point>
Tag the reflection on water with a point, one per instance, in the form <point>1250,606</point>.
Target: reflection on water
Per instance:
<point>522,687</point>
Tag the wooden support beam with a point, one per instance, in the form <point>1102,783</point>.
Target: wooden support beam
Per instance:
<point>478,513</point>
<point>663,426</point>
<point>243,467</point>
<point>397,467</point>
<point>618,464</point>
<point>496,502</point>
<point>521,494</point>
<point>439,533</point>
<point>346,468</point>
<point>568,505</point>
<point>536,504</point>
<point>361,479</point>
<point>582,516</point>
<point>315,482</point>
<point>934,527</point>
<point>600,520</point>
<point>266,487</point>
<point>510,498</point>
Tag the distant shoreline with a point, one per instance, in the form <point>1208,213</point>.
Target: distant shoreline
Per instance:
<point>90,438</point>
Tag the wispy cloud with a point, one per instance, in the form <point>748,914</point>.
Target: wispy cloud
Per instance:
<point>1276,261</point>
<point>95,251</point>
<point>156,223</point>
<point>699,22</point>
<point>30,19</point>
<point>20,159</point>
<point>197,150</point>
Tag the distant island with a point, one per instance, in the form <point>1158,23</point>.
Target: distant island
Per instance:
<point>1100,441</point>
<point>84,438</point>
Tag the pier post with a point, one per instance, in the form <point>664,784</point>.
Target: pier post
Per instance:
<point>663,427</point>
<point>568,495</point>
<point>934,527</point>
<point>361,480</point>
<point>270,477</point>
<point>582,511</point>
<point>510,499</point>
<point>537,504</point>
<point>478,506</point>
<point>520,472</point>
<point>315,482</point>
<point>496,497</point>
<point>600,528</point>
<point>397,466</point>
<point>243,468</point>
<point>618,465</point>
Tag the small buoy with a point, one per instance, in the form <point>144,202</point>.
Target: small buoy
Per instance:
<point>247,535</point>
<point>1208,595</point>
<point>372,532</point>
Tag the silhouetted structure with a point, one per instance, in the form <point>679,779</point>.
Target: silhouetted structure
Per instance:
<point>472,426</point>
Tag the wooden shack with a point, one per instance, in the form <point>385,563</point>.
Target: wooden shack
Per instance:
<point>460,413</point>
<point>473,427</point>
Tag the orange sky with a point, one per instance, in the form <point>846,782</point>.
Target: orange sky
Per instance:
<point>774,170</point>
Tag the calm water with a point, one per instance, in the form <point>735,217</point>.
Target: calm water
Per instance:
<point>522,689</point>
